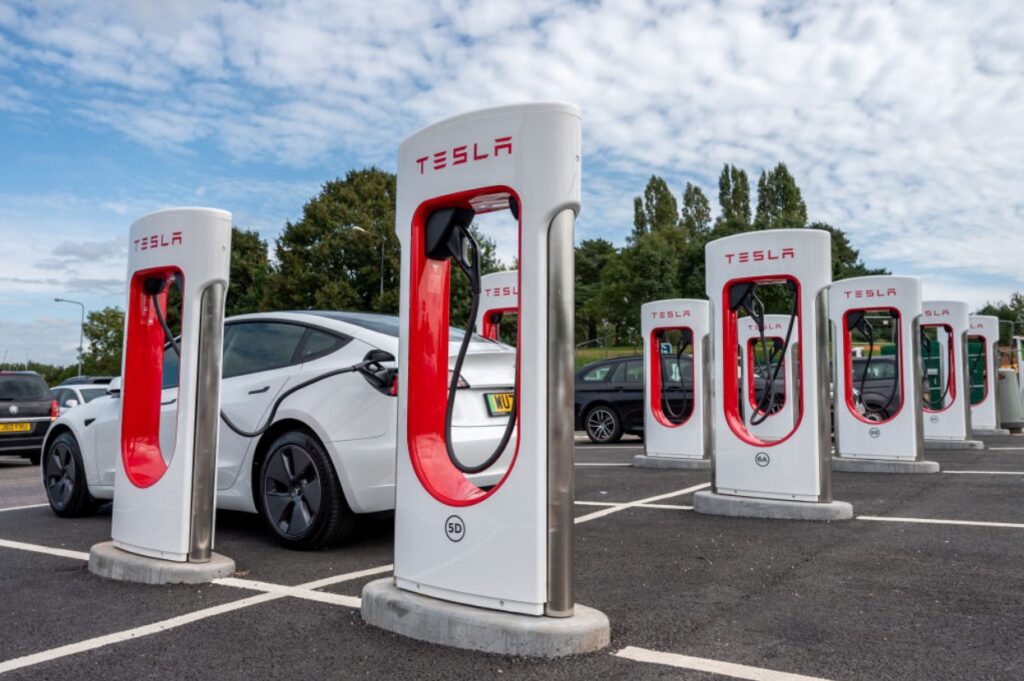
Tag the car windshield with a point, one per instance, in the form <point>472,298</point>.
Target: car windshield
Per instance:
<point>90,394</point>
<point>877,370</point>
<point>22,387</point>
<point>388,324</point>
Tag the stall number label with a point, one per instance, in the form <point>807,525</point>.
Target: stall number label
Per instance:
<point>762,459</point>
<point>454,528</point>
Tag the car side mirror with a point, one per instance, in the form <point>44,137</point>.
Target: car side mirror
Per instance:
<point>71,403</point>
<point>114,387</point>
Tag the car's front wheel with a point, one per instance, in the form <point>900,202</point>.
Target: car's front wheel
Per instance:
<point>64,479</point>
<point>603,425</point>
<point>300,496</point>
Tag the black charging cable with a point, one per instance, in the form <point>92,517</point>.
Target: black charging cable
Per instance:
<point>673,416</point>
<point>448,236</point>
<point>370,367</point>
<point>926,343</point>
<point>858,320</point>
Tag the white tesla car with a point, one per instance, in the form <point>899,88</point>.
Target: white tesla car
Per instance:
<point>333,441</point>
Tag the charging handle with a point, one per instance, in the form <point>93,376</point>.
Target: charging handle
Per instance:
<point>448,236</point>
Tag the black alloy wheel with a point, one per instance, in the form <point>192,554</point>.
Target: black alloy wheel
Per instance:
<point>64,479</point>
<point>300,497</point>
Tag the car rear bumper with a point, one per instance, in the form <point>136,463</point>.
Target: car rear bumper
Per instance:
<point>21,444</point>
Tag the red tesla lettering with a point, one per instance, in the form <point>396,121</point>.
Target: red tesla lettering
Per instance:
<point>175,238</point>
<point>459,155</point>
<point>422,162</point>
<point>440,160</point>
<point>502,143</point>
<point>477,156</point>
<point>788,253</point>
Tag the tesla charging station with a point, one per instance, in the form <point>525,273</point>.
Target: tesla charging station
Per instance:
<point>776,421</point>
<point>676,386</point>
<point>877,401</point>
<point>754,477</point>
<point>946,386</point>
<point>982,370</point>
<point>487,567</point>
<point>164,490</point>
<point>499,295</point>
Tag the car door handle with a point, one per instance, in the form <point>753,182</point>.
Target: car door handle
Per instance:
<point>259,390</point>
<point>169,402</point>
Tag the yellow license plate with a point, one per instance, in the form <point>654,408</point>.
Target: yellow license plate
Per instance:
<point>500,404</point>
<point>15,427</point>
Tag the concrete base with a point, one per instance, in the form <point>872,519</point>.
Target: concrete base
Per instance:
<point>463,626</point>
<point>845,464</point>
<point>106,560</point>
<point>992,431</point>
<point>644,461</point>
<point>942,445</point>
<point>711,503</point>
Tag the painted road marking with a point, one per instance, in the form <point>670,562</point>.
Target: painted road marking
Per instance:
<point>602,464</point>
<point>179,621</point>
<point>22,508</point>
<point>36,548</point>
<point>984,472</point>
<point>610,448</point>
<point>1006,449</point>
<point>308,594</point>
<point>703,664</point>
<point>935,521</point>
<point>640,502</point>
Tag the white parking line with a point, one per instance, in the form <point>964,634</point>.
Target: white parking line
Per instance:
<point>22,508</point>
<point>36,548</point>
<point>640,502</point>
<point>609,448</point>
<point>602,464</point>
<point>936,521</point>
<point>297,592</point>
<point>984,472</point>
<point>702,664</point>
<point>181,620</point>
<point>1006,449</point>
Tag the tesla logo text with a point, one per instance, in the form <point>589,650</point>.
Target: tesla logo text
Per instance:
<point>976,325</point>
<point>871,293</point>
<point>501,291</point>
<point>936,313</point>
<point>761,255</point>
<point>148,243</point>
<point>460,155</point>
<point>767,327</point>
<point>670,314</point>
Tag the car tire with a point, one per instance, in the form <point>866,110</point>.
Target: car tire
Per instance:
<point>300,497</point>
<point>64,479</point>
<point>603,425</point>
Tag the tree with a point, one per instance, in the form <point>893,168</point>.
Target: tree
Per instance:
<point>104,333</point>
<point>250,270</point>
<point>846,260</point>
<point>696,213</point>
<point>657,211</point>
<point>779,203</point>
<point>592,257</point>
<point>733,200</point>
<point>459,289</point>
<point>324,262</point>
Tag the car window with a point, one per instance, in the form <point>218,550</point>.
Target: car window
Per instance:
<point>67,396</point>
<point>672,369</point>
<point>171,367</point>
<point>90,394</point>
<point>634,371</point>
<point>261,346</point>
<point>319,343</point>
<point>22,387</point>
<point>58,394</point>
<point>597,374</point>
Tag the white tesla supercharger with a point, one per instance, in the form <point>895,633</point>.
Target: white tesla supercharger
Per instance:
<point>762,352</point>
<point>945,392</point>
<point>984,330</point>
<point>789,477</point>
<point>499,296</point>
<point>164,496</point>
<point>505,548</point>
<point>884,433</point>
<point>676,386</point>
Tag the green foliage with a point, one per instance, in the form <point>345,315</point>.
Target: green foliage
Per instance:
<point>592,256</point>
<point>460,292</point>
<point>657,211</point>
<point>323,262</point>
<point>250,271</point>
<point>696,212</point>
<point>779,203</point>
<point>846,260</point>
<point>733,201</point>
<point>104,335</point>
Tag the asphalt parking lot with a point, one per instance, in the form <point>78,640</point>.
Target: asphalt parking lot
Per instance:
<point>926,583</point>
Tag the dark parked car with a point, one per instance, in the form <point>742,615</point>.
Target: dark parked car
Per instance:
<point>880,396</point>
<point>26,410</point>
<point>610,395</point>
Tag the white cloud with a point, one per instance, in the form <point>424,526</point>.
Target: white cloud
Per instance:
<point>901,121</point>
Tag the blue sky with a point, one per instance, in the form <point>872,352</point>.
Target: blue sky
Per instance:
<point>901,121</point>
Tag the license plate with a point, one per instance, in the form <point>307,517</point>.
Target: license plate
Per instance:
<point>15,427</point>
<point>500,404</point>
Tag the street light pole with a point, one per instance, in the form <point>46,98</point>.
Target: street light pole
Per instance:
<point>357,228</point>
<point>81,329</point>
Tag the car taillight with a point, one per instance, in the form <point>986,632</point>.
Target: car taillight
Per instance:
<point>54,410</point>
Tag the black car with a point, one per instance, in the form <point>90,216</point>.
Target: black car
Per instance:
<point>26,410</point>
<point>880,395</point>
<point>610,395</point>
